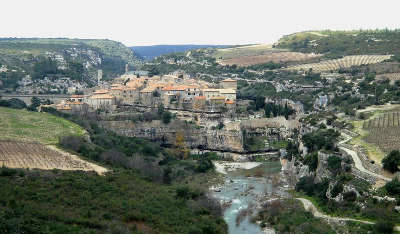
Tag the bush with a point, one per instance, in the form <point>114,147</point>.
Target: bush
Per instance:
<point>338,188</point>
<point>166,117</point>
<point>311,160</point>
<point>392,161</point>
<point>306,184</point>
<point>350,196</point>
<point>5,171</point>
<point>204,165</point>
<point>334,164</point>
<point>384,227</point>
<point>186,192</point>
<point>13,103</point>
<point>393,187</point>
<point>72,142</point>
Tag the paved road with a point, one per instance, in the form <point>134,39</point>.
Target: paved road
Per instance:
<point>357,160</point>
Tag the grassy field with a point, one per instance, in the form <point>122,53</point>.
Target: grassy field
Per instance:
<point>33,126</point>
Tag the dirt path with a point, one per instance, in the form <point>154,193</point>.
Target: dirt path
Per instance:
<point>309,206</point>
<point>357,160</point>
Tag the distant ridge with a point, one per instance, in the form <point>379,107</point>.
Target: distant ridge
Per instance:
<point>150,52</point>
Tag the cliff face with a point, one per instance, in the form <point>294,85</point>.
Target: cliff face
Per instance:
<point>201,138</point>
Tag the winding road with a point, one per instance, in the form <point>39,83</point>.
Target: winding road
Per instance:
<point>357,161</point>
<point>309,206</point>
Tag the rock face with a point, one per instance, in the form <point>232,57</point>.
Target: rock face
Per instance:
<point>322,168</point>
<point>201,138</point>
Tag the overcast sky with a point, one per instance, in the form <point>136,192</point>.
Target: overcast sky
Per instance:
<point>136,22</point>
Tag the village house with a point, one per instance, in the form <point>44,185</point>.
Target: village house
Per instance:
<point>101,99</point>
<point>229,84</point>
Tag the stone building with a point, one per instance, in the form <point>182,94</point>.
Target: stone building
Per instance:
<point>229,84</point>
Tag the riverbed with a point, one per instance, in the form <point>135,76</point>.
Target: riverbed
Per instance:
<point>244,191</point>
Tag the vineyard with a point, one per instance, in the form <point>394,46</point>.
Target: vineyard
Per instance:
<point>18,154</point>
<point>345,62</point>
<point>384,131</point>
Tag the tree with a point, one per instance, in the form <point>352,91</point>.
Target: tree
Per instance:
<point>260,102</point>
<point>312,161</point>
<point>334,164</point>
<point>392,161</point>
<point>166,117</point>
<point>393,187</point>
<point>35,103</point>
<point>180,148</point>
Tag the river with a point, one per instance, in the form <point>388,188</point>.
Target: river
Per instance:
<point>244,191</point>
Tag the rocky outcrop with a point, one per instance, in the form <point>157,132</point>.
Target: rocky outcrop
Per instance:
<point>200,138</point>
<point>322,168</point>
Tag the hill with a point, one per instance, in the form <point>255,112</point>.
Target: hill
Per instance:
<point>339,43</point>
<point>150,52</point>
<point>78,59</point>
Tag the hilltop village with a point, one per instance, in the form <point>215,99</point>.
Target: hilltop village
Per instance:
<point>171,91</point>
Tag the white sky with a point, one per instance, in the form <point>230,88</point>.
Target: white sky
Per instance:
<point>137,22</point>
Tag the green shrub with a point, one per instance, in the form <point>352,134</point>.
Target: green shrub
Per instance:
<point>350,196</point>
<point>338,188</point>
<point>311,160</point>
<point>306,184</point>
<point>334,164</point>
<point>393,187</point>
<point>384,227</point>
<point>392,161</point>
<point>5,171</point>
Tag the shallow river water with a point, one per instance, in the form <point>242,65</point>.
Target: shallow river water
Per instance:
<point>241,191</point>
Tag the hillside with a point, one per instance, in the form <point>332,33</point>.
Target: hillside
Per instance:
<point>140,195</point>
<point>259,54</point>
<point>150,52</point>
<point>78,59</point>
<point>339,43</point>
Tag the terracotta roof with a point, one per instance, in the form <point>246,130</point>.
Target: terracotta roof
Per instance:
<point>102,96</point>
<point>173,88</point>
<point>229,102</point>
<point>77,96</point>
<point>101,91</point>
<point>76,103</point>
<point>147,90</point>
